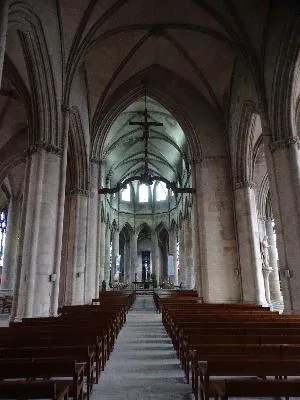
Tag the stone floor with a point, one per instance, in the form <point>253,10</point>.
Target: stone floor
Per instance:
<point>143,365</point>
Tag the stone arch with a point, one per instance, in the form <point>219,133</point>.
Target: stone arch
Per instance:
<point>263,197</point>
<point>166,94</point>
<point>286,86</point>
<point>46,126</point>
<point>244,146</point>
<point>78,171</point>
<point>141,227</point>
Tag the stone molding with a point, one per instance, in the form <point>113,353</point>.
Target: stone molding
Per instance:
<point>48,147</point>
<point>96,161</point>
<point>244,184</point>
<point>78,192</point>
<point>285,143</point>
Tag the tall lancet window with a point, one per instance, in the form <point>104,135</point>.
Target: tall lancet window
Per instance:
<point>3,224</point>
<point>161,191</point>
<point>143,193</point>
<point>125,195</point>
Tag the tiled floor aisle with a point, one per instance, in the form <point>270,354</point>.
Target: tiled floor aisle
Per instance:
<point>143,365</point>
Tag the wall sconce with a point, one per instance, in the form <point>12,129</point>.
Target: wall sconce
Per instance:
<point>288,273</point>
<point>52,277</point>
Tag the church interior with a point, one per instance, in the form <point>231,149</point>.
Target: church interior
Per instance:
<point>149,147</point>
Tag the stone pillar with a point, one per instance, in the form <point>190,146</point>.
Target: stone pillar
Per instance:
<point>194,251</point>
<point>155,255</point>
<point>181,272</point>
<point>253,290</point>
<point>173,251</point>
<point>60,214</point>
<point>196,179</point>
<point>40,230</point>
<point>283,161</point>
<point>187,254</point>
<point>107,256</point>
<point>115,253</point>
<point>101,248</point>
<point>77,244</point>
<point>4,6</point>
<point>266,275</point>
<point>134,259</point>
<point>91,279</point>
<point>275,291</point>
<point>9,269</point>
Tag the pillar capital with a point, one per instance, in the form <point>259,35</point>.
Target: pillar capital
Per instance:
<point>244,184</point>
<point>42,145</point>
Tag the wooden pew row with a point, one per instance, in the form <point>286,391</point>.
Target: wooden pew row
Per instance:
<point>45,368</point>
<point>83,354</point>
<point>244,349</point>
<point>292,321</point>
<point>258,336</point>
<point>90,324</point>
<point>231,368</point>
<point>45,389</point>
<point>254,388</point>
<point>174,333</point>
<point>59,336</point>
<point>166,295</point>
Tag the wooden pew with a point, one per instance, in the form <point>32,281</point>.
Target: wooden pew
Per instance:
<point>36,338</point>
<point>45,368</point>
<point>46,389</point>
<point>234,367</point>
<point>254,388</point>
<point>82,354</point>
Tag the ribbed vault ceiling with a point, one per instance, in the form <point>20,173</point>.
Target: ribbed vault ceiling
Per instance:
<point>125,146</point>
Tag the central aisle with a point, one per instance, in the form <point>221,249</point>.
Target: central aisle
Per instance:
<point>143,365</point>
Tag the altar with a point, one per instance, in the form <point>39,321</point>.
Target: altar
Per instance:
<point>142,285</point>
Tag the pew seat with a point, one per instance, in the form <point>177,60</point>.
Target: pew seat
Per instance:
<point>226,388</point>
<point>46,389</point>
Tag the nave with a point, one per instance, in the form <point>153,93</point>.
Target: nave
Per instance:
<point>143,364</point>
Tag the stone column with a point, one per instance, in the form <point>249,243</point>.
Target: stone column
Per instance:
<point>188,254</point>
<point>115,253</point>
<point>4,6</point>
<point>91,280</point>
<point>186,238</point>
<point>253,290</point>
<point>134,259</point>
<point>107,256</point>
<point>101,248</point>
<point>60,213</point>
<point>9,269</point>
<point>155,255</point>
<point>181,272</point>
<point>196,179</point>
<point>275,291</point>
<point>266,275</point>
<point>173,250</point>
<point>76,246</point>
<point>283,161</point>
<point>40,230</point>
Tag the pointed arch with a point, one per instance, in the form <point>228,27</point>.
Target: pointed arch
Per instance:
<point>78,169</point>
<point>46,126</point>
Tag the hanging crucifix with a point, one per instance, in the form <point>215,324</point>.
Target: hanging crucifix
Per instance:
<point>146,124</point>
